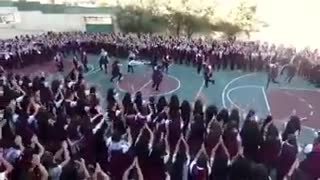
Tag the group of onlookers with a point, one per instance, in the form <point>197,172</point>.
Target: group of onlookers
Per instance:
<point>245,55</point>
<point>59,130</point>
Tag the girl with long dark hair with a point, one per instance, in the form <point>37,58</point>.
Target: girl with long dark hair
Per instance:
<point>180,160</point>
<point>251,139</point>
<point>287,157</point>
<point>174,106</point>
<point>185,110</point>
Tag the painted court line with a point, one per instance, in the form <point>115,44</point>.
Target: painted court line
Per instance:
<point>143,86</point>
<point>302,100</point>
<point>311,113</point>
<point>223,95</point>
<point>200,90</point>
<point>298,89</point>
<point>243,87</point>
<point>309,105</point>
<point>266,99</point>
<point>161,94</point>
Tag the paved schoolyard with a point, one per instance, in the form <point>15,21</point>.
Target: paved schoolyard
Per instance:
<point>244,90</point>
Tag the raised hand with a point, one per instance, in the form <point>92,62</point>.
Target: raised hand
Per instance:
<point>34,139</point>
<point>18,140</point>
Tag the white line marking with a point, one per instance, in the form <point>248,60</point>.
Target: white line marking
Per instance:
<point>200,90</point>
<point>266,99</point>
<point>161,94</point>
<point>143,86</point>
<point>302,100</point>
<point>310,106</point>
<point>91,68</point>
<point>223,95</point>
<point>92,72</point>
<point>311,113</point>
<point>243,87</point>
<point>298,89</point>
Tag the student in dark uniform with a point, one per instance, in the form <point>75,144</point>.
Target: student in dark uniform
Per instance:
<point>116,73</point>
<point>84,60</point>
<point>131,58</point>
<point>291,70</point>
<point>207,75</point>
<point>75,62</point>
<point>103,61</point>
<point>272,74</point>
<point>199,62</point>
<point>59,63</point>
<point>165,63</point>
<point>157,77</point>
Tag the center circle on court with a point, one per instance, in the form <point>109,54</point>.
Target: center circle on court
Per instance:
<point>133,83</point>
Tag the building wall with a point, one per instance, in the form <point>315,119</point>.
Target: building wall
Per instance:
<point>36,20</point>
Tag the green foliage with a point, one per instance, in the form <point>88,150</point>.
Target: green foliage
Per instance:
<point>188,19</point>
<point>184,17</point>
<point>138,20</point>
<point>194,24</point>
<point>230,30</point>
<point>244,16</point>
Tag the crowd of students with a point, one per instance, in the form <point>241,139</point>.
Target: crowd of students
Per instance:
<point>245,55</point>
<point>60,130</point>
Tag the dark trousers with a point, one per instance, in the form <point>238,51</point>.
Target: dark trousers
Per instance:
<point>166,67</point>
<point>290,76</point>
<point>104,66</point>
<point>85,66</point>
<point>117,75</point>
<point>156,85</point>
<point>130,69</point>
<point>199,67</point>
<point>60,68</point>
<point>271,79</point>
<point>207,79</point>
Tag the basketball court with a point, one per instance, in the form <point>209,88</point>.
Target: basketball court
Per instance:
<point>238,89</point>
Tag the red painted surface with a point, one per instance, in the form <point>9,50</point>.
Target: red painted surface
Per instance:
<point>139,82</point>
<point>283,102</point>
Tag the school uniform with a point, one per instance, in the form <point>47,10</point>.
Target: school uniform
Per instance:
<point>103,62</point>
<point>208,75</point>
<point>116,73</point>
<point>131,61</point>
<point>157,77</point>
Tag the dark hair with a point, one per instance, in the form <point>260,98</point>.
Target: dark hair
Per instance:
<point>198,107</point>
<point>174,106</point>
<point>211,111</point>
<point>162,102</point>
<point>250,114</point>
<point>126,100</point>
<point>223,115</point>
<point>185,110</point>
<point>235,116</point>
<point>272,133</point>
<point>110,96</point>
<point>293,125</point>
<point>92,90</point>
<point>250,134</point>
<point>138,100</point>
<point>259,171</point>
<point>240,169</point>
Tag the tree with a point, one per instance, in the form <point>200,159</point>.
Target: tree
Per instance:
<point>189,17</point>
<point>244,16</point>
<point>194,24</point>
<point>138,20</point>
<point>229,29</point>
